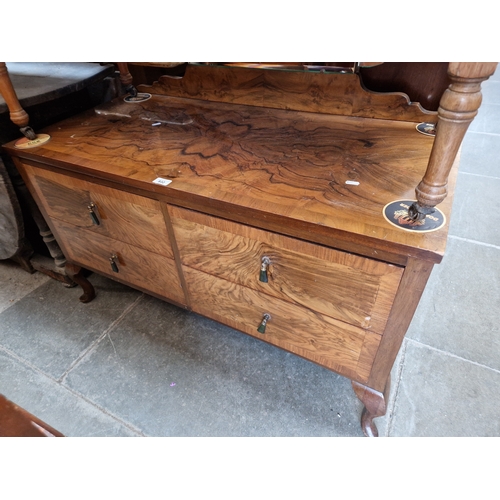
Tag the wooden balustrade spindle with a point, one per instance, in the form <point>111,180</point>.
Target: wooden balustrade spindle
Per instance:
<point>458,107</point>
<point>17,113</point>
<point>126,78</point>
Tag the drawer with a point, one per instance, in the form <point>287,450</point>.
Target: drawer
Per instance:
<point>117,214</point>
<point>354,289</point>
<point>344,348</point>
<point>135,266</point>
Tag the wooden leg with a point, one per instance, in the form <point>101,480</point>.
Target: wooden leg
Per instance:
<point>375,405</point>
<point>458,107</point>
<point>55,267</point>
<point>22,257</point>
<point>17,113</point>
<point>126,79</point>
<point>75,273</point>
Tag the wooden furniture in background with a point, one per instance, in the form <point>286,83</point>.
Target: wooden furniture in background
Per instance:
<point>50,91</point>
<point>17,114</point>
<point>17,422</point>
<point>422,82</point>
<point>255,197</point>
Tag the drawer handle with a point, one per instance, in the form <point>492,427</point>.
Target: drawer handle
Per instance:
<point>262,326</point>
<point>93,215</point>
<point>263,269</point>
<point>114,266</point>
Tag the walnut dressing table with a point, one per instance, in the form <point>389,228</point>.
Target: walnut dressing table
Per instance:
<point>256,198</point>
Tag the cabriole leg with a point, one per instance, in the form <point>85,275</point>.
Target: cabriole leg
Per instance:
<point>375,405</point>
<point>75,273</point>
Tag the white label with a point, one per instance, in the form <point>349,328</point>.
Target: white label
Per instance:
<point>352,183</point>
<point>162,182</point>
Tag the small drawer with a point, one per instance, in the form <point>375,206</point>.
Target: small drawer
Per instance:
<point>354,289</point>
<point>121,261</point>
<point>117,214</point>
<point>343,348</point>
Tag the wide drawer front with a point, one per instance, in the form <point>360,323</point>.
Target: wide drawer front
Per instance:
<point>354,289</point>
<point>121,261</point>
<point>117,214</point>
<point>344,348</point>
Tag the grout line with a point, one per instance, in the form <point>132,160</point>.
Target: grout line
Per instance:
<point>16,283</point>
<point>451,236</point>
<point>394,398</point>
<point>126,424</point>
<point>480,175</point>
<point>24,362</point>
<point>454,356</point>
<point>96,342</point>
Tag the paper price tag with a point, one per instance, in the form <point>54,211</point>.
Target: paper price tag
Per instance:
<point>162,182</point>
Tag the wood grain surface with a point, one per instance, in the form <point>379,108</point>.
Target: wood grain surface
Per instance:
<point>412,286</point>
<point>330,93</point>
<point>344,348</point>
<point>230,165</point>
<point>126,217</point>
<point>136,267</point>
<point>354,289</point>
<point>286,170</point>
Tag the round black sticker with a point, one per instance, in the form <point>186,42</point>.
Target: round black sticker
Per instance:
<point>396,213</point>
<point>427,128</point>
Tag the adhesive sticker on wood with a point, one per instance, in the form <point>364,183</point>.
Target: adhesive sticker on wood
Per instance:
<point>26,143</point>
<point>427,129</point>
<point>396,213</point>
<point>161,181</point>
<point>140,97</point>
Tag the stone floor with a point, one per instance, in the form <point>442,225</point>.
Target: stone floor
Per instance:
<point>127,364</point>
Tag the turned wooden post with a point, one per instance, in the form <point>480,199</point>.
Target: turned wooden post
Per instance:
<point>457,108</point>
<point>126,78</point>
<point>17,113</point>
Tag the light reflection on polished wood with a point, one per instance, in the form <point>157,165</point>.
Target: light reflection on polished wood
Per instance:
<point>259,163</point>
<point>345,286</point>
<point>276,162</point>
<point>329,93</point>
